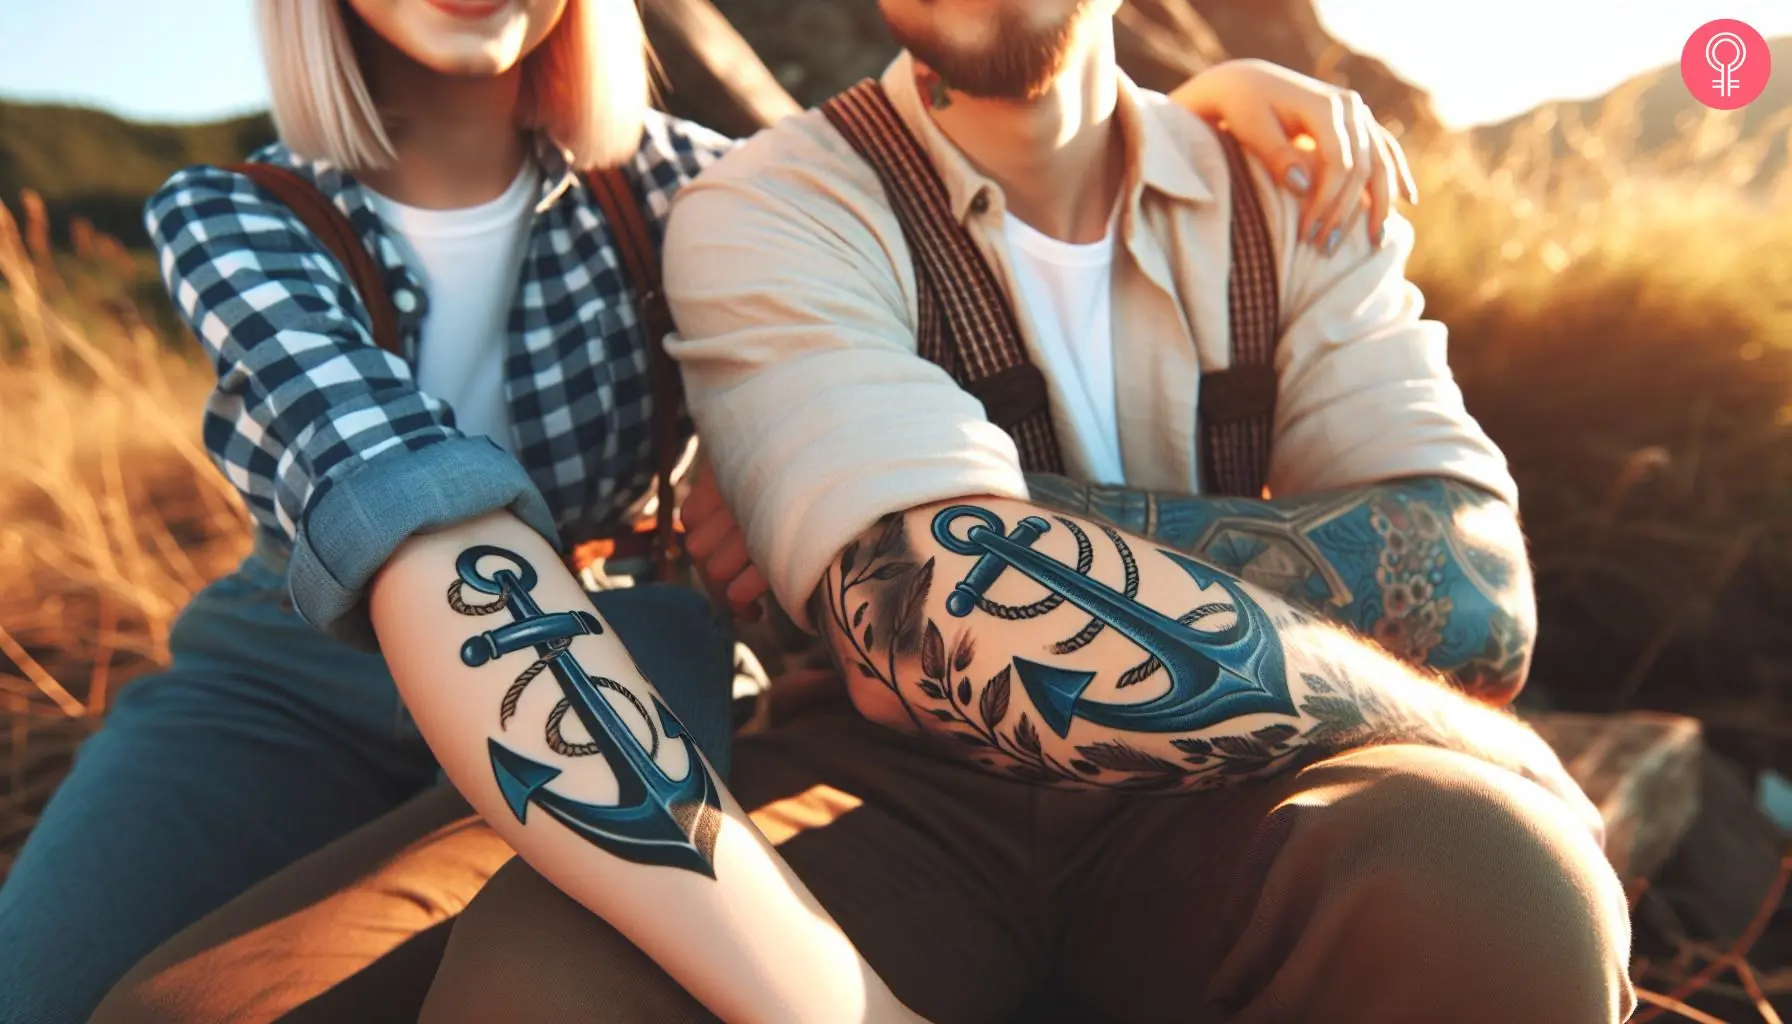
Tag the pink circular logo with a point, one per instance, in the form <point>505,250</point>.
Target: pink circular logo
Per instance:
<point>1725,64</point>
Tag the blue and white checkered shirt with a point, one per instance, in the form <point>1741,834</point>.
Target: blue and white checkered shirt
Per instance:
<point>335,450</point>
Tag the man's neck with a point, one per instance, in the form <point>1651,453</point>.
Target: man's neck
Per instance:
<point>1059,158</point>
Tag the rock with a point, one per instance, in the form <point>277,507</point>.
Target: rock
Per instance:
<point>1641,769</point>
<point>1289,33</point>
<point>1162,43</point>
<point>708,72</point>
<point>816,48</point>
<point>1728,860</point>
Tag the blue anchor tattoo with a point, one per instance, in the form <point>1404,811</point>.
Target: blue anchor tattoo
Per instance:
<point>1214,675</point>
<point>656,819</point>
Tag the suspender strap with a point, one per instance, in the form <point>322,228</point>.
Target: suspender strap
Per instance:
<point>640,260</point>
<point>338,236</point>
<point>1238,405</point>
<point>966,324</point>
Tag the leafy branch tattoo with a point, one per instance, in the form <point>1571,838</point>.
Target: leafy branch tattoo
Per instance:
<point>656,819</point>
<point>880,593</point>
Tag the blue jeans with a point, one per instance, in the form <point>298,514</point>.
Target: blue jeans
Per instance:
<point>262,742</point>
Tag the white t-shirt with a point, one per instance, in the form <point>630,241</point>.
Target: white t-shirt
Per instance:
<point>468,260</point>
<point>1067,289</point>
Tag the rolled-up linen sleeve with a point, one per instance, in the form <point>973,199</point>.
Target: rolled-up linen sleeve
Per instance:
<point>796,340</point>
<point>1366,391</point>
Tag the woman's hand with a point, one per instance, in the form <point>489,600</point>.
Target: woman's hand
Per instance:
<point>718,546</point>
<point>1268,107</point>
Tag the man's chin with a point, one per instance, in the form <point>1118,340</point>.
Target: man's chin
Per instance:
<point>1018,63</point>
<point>986,76</point>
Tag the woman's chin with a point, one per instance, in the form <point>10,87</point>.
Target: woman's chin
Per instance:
<point>478,59</point>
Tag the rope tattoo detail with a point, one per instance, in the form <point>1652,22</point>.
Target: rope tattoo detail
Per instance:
<point>656,820</point>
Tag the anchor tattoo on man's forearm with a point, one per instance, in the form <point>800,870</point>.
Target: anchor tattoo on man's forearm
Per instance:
<point>656,819</point>
<point>1214,675</point>
<point>1234,707</point>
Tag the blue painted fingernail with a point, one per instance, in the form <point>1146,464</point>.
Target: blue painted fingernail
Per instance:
<point>1381,234</point>
<point>1332,240</point>
<point>1298,179</point>
<point>1313,231</point>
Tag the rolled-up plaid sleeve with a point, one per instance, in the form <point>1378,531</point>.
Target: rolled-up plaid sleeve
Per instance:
<point>325,435</point>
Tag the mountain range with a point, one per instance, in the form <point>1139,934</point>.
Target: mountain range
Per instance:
<point>1653,116</point>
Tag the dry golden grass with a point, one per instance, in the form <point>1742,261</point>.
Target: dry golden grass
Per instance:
<point>110,514</point>
<point>1621,327</point>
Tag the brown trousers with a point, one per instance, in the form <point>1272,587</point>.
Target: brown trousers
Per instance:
<point>1395,884</point>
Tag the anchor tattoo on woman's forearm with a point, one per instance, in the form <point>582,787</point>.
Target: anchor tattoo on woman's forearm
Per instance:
<point>656,819</point>
<point>1245,686</point>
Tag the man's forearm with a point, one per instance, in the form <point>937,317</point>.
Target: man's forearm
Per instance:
<point>1058,650</point>
<point>540,717</point>
<point>1433,570</point>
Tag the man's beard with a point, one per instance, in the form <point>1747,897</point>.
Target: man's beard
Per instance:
<point>1019,64</point>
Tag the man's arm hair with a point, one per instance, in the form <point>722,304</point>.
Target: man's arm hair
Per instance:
<point>1058,650</point>
<point>1433,570</point>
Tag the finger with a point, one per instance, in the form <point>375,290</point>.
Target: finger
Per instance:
<point>703,538</point>
<point>1332,150</point>
<point>1358,216</point>
<point>1408,187</point>
<point>705,496</point>
<point>747,588</point>
<point>1383,185</point>
<point>730,560</point>
<point>1264,134</point>
<point>1340,210</point>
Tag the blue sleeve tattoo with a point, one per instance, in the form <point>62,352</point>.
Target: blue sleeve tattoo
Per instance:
<point>1434,571</point>
<point>656,819</point>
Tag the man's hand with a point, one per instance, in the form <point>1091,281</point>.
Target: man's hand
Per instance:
<point>718,546</point>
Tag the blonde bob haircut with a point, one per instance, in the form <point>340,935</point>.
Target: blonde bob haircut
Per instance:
<point>586,84</point>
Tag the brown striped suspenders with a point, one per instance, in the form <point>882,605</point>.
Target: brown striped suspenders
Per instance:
<point>968,326</point>
<point>966,323</point>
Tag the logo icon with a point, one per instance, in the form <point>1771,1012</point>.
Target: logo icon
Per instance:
<point>1726,64</point>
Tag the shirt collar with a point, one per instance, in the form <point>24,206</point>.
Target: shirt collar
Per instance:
<point>553,160</point>
<point>354,200</point>
<point>1157,159</point>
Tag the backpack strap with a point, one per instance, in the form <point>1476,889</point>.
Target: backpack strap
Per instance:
<point>1238,405</point>
<point>966,324</point>
<point>339,237</point>
<point>640,261</point>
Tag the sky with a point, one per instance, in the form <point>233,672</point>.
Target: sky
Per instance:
<point>186,60</point>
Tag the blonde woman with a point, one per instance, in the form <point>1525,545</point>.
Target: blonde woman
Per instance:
<point>399,497</point>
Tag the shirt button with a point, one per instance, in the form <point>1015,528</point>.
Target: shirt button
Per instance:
<point>980,203</point>
<point>405,300</point>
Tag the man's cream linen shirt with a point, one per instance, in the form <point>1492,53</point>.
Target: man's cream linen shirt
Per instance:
<point>794,294</point>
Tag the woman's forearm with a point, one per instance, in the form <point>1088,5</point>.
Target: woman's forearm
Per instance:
<point>540,717</point>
